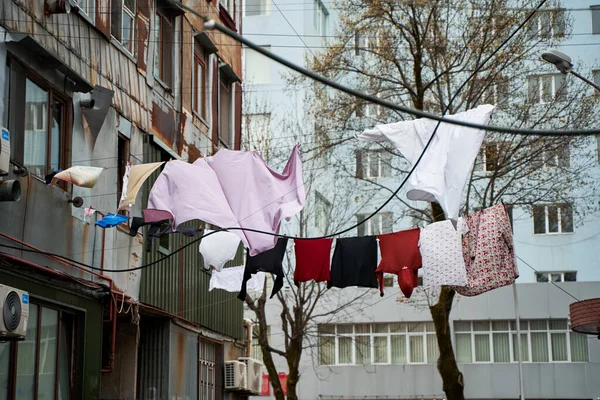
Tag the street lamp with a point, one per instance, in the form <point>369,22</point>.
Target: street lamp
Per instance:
<point>563,63</point>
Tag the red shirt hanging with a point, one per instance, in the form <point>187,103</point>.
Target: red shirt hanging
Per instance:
<point>312,260</point>
<point>400,255</point>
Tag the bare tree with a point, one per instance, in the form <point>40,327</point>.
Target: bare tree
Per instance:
<point>418,53</point>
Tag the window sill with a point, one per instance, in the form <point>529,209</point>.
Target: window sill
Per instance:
<point>86,17</point>
<point>166,87</point>
<point>122,49</point>
<point>199,117</point>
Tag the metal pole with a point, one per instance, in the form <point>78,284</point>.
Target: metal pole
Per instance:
<point>520,356</point>
<point>586,80</point>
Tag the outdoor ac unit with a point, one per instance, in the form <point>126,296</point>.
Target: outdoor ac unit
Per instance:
<point>14,304</point>
<point>254,374</point>
<point>235,375</point>
<point>4,150</point>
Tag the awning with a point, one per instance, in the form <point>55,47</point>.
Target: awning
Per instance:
<point>207,44</point>
<point>229,72</point>
<point>48,60</point>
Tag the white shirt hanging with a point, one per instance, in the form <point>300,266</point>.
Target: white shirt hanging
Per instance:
<point>441,252</point>
<point>443,171</point>
<point>218,248</point>
<point>230,280</point>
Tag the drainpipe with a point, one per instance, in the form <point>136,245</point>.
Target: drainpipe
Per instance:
<point>248,324</point>
<point>521,388</point>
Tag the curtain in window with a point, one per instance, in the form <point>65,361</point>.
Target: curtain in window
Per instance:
<point>380,349</point>
<point>539,347</point>
<point>416,349</point>
<point>559,346</point>
<point>524,347</point>
<point>501,347</point>
<point>463,348</point>
<point>398,343</point>
<point>432,349</point>
<point>345,350</point>
<point>579,347</point>
<point>362,350</point>
<point>326,350</point>
<point>482,348</point>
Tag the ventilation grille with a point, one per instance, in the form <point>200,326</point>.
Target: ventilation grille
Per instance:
<point>12,311</point>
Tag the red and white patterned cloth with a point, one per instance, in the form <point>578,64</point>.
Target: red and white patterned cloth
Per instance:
<point>488,251</point>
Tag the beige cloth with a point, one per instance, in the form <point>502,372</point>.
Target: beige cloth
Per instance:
<point>137,176</point>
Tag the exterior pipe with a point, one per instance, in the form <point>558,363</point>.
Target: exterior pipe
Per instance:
<point>521,388</point>
<point>248,323</point>
<point>113,342</point>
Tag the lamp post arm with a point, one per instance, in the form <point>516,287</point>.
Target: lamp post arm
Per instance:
<point>586,80</point>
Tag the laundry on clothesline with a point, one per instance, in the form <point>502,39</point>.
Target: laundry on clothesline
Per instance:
<point>159,229</point>
<point>442,173</point>
<point>218,247</point>
<point>230,189</point>
<point>80,175</point>
<point>400,256</point>
<point>134,178</point>
<point>313,260</point>
<point>87,214</point>
<point>230,279</point>
<point>112,220</point>
<point>441,249</point>
<point>268,261</point>
<point>354,262</point>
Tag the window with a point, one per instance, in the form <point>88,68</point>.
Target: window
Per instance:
<point>322,212</point>
<point>46,361</point>
<point>164,26</point>
<point>556,276</point>
<point>122,22</point>
<point>373,164</point>
<point>596,79</point>
<point>40,134</point>
<point>496,342</point>
<point>88,7</point>
<point>367,40</point>
<point>258,7</point>
<point>228,5</point>
<point>320,18</point>
<point>595,10</point>
<point>492,156</point>
<point>207,360</point>
<point>598,147</point>
<point>380,223</point>
<point>554,155</point>
<point>544,89</point>
<point>488,92</point>
<point>552,218</point>
<point>257,68</point>
<point>395,343</point>
<point>123,160</point>
<point>256,349</point>
<point>547,24</point>
<point>200,80</point>
<point>226,97</point>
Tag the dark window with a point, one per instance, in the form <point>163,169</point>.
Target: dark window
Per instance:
<point>45,364</point>
<point>123,160</point>
<point>164,26</point>
<point>556,276</point>
<point>373,164</point>
<point>200,80</point>
<point>552,218</point>
<point>225,110</point>
<point>40,133</point>
<point>595,10</point>
<point>122,22</point>
<point>378,224</point>
<point>547,24</point>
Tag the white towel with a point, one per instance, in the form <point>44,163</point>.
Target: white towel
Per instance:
<point>230,280</point>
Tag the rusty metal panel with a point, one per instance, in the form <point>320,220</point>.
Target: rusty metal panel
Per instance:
<point>179,284</point>
<point>103,17</point>
<point>163,123</point>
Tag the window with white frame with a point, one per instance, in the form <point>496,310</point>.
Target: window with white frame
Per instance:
<point>366,344</point>
<point>88,7</point>
<point>496,342</point>
<point>373,164</point>
<point>226,95</point>
<point>552,219</point>
<point>494,92</point>
<point>554,155</point>
<point>257,7</point>
<point>200,80</point>
<point>556,276</point>
<point>367,40</point>
<point>491,156</point>
<point>256,349</point>
<point>544,89</point>
<point>547,24</point>
<point>122,22</point>
<point>322,212</point>
<point>229,5</point>
<point>320,17</point>
<point>257,67</point>
<point>380,223</point>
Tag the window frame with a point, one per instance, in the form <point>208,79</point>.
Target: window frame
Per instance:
<point>537,32</point>
<point>548,276</point>
<point>559,223</point>
<point>364,163</point>
<point>200,59</point>
<point>482,157</point>
<point>323,208</point>
<point>225,81</point>
<point>88,12</point>
<point>320,18</point>
<point>368,224</point>
<point>162,16</point>
<point>595,10</point>
<point>557,94</point>
<point>121,11</point>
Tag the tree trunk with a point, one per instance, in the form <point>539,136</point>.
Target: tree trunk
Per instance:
<point>452,378</point>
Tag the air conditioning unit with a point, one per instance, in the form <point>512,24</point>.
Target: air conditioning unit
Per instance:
<point>14,304</point>
<point>235,375</point>
<point>254,374</point>
<point>4,150</point>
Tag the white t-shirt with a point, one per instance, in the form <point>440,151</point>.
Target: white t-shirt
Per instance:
<point>218,248</point>
<point>443,171</point>
<point>441,253</point>
<point>230,280</point>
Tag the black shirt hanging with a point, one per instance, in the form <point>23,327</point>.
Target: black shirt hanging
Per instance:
<point>354,262</point>
<point>268,261</point>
